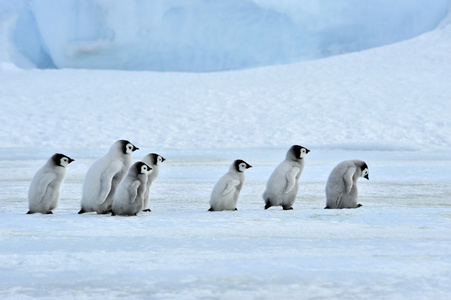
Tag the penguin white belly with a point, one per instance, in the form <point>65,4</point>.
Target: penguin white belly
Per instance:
<point>225,193</point>
<point>341,187</point>
<point>44,192</point>
<point>100,185</point>
<point>150,178</point>
<point>128,199</point>
<point>282,186</point>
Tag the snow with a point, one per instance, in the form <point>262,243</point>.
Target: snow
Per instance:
<point>203,35</point>
<point>388,106</point>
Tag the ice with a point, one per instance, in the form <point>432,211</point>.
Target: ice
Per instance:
<point>202,35</point>
<point>396,246</point>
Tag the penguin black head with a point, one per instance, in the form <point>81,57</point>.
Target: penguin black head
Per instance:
<point>61,160</point>
<point>298,151</point>
<point>127,147</point>
<point>241,165</point>
<point>141,168</point>
<point>365,171</point>
<point>156,159</point>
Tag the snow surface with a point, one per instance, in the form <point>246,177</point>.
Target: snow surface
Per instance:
<point>388,106</point>
<point>203,35</point>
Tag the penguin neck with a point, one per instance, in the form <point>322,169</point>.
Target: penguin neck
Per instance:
<point>290,156</point>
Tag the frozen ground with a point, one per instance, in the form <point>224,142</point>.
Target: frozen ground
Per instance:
<point>397,246</point>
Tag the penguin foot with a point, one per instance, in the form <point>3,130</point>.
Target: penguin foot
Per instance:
<point>82,211</point>
<point>287,208</point>
<point>211,209</point>
<point>236,208</point>
<point>359,205</point>
<point>147,210</point>
<point>327,207</point>
<point>49,213</point>
<point>29,212</point>
<point>267,205</point>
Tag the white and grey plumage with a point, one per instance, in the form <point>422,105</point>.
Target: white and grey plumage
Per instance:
<point>44,192</point>
<point>341,187</point>
<point>153,160</point>
<point>283,184</point>
<point>226,191</point>
<point>103,177</point>
<point>129,196</point>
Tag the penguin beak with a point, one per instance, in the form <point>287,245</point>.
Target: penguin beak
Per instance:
<point>71,160</point>
<point>163,159</point>
<point>307,151</point>
<point>248,166</point>
<point>135,148</point>
<point>367,177</point>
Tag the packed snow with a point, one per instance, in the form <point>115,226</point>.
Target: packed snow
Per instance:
<point>388,106</point>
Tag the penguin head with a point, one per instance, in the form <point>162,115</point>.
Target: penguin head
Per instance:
<point>297,152</point>
<point>156,159</point>
<point>61,160</point>
<point>365,171</point>
<point>141,168</point>
<point>127,147</point>
<point>240,165</point>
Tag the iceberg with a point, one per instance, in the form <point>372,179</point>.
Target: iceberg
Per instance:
<point>202,35</point>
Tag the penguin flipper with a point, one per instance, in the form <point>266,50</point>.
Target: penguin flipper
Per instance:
<point>291,179</point>
<point>133,190</point>
<point>43,185</point>
<point>147,210</point>
<point>106,180</point>
<point>231,184</point>
<point>347,178</point>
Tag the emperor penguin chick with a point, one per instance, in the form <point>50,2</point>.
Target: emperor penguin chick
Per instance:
<point>153,160</point>
<point>341,187</point>
<point>226,191</point>
<point>104,176</point>
<point>129,197</point>
<point>283,184</point>
<point>44,192</point>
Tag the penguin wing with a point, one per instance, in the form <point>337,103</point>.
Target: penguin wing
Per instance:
<point>291,179</point>
<point>133,190</point>
<point>43,184</point>
<point>347,178</point>
<point>106,180</point>
<point>230,185</point>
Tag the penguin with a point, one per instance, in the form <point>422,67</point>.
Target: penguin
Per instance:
<point>226,191</point>
<point>103,177</point>
<point>129,197</point>
<point>282,186</point>
<point>341,187</point>
<point>153,160</point>
<point>44,192</point>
